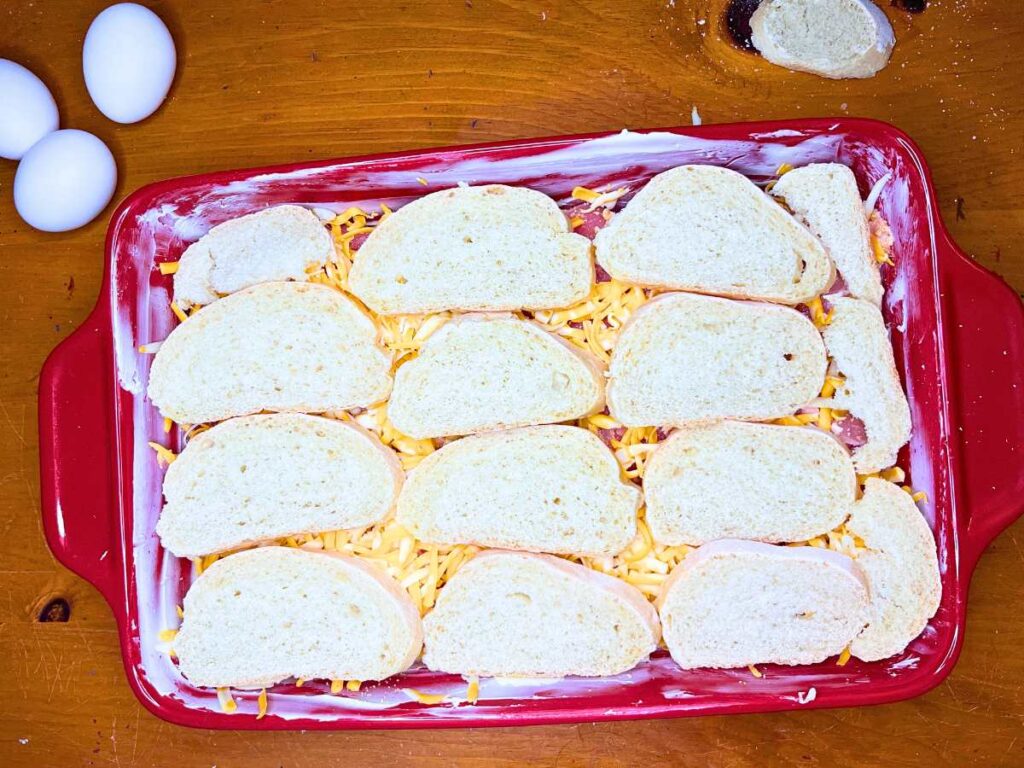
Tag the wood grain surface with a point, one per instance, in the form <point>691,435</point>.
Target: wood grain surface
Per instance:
<point>273,82</point>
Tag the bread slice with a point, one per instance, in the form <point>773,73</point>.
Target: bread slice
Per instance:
<point>258,617</point>
<point>831,38</point>
<point>279,243</point>
<point>257,478</point>
<point>483,372</point>
<point>750,481</point>
<point>685,358</point>
<point>710,230</point>
<point>859,345</point>
<point>901,566</point>
<point>271,347</point>
<point>546,489</point>
<point>513,614</point>
<point>473,248</point>
<point>732,603</point>
<point>825,197</point>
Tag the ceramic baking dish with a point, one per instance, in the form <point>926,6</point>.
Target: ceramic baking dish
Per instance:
<point>958,333</point>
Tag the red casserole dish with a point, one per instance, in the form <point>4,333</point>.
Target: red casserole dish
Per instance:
<point>958,333</point>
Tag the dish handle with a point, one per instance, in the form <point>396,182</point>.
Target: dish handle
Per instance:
<point>984,318</point>
<point>75,438</point>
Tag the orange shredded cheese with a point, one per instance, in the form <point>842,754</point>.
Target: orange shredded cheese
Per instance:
<point>164,456</point>
<point>353,685</point>
<point>168,424</point>
<point>596,199</point>
<point>755,671</point>
<point>424,698</point>
<point>168,267</point>
<point>473,690</point>
<point>881,255</point>
<point>178,312</point>
<point>818,315</point>
<point>843,657</point>
<point>261,703</point>
<point>227,703</point>
<point>337,686</point>
<point>584,194</point>
<point>168,635</point>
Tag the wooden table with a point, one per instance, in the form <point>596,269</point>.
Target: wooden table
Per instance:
<point>275,82</point>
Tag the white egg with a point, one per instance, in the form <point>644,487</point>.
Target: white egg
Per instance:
<point>128,60</point>
<point>29,111</point>
<point>64,181</point>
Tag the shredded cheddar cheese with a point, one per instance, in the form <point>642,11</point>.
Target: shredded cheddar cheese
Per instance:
<point>227,704</point>
<point>168,267</point>
<point>261,703</point>
<point>843,657</point>
<point>473,690</point>
<point>178,312</point>
<point>819,317</point>
<point>424,698</point>
<point>337,686</point>
<point>755,671</point>
<point>353,685</point>
<point>164,456</point>
<point>881,255</point>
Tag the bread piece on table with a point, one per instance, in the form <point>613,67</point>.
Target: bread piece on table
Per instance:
<point>825,197</point>
<point>859,345</point>
<point>484,372</point>
<point>731,603</point>
<point>257,478</point>
<point>747,481</point>
<point>258,617</point>
<point>685,358</point>
<point>487,248</point>
<point>275,244</point>
<point>546,489</point>
<point>514,614</point>
<point>271,347</point>
<point>711,230</point>
<point>831,38</point>
<point>901,566</point>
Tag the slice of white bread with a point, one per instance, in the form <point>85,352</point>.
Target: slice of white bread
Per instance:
<point>859,345</point>
<point>271,347</point>
<point>831,38</point>
<point>550,488</point>
<point>258,617</point>
<point>483,372</point>
<point>824,196</point>
<point>731,603</point>
<point>685,358</point>
<point>275,244</point>
<point>711,230</point>
<point>513,614</point>
<point>257,478</point>
<point>733,479</point>
<point>473,248</point>
<point>901,566</point>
